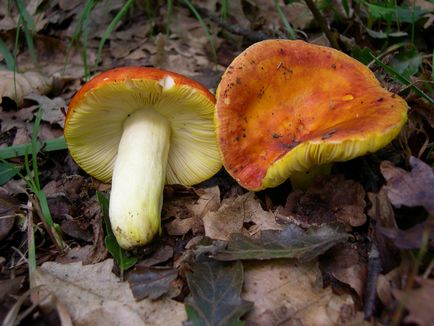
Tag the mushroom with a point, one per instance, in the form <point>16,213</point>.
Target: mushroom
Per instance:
<point>141,128</point>
<point>284,107</point>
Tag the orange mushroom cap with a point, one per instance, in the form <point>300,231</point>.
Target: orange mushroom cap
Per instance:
<point>287,106</point>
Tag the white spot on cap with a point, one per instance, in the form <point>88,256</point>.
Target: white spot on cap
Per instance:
<point>166,82</point>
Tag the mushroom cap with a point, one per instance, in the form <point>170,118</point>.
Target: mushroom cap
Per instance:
<point>286,106</point>
<point>94,122</point>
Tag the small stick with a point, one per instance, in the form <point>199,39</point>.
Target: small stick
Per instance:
<point>374,269</point>
<point>323,24</point>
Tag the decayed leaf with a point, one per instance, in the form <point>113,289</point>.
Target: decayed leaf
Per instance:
<point>327,200</point>
<point>415,188</point>
<point>17,86</point>
<point>232,215</point>
<point>411,238</point>
<point>52,108</point>
<point>347,263</point>
<point>151,283</point>
<point>189,211</point>
<point>419,303</point>
<point>9,206</point>
<point>215,294</point>
<point>287,293</point>
<point>381,211</point>
<point>291,242</point>
<point>93,295</point>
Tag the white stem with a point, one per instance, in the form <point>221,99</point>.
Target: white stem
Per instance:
<point>138,178</point>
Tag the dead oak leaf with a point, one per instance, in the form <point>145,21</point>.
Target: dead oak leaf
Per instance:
<point>52,108</point>
<point>188,212</point>
<point>93,295</point>
<point>327,200</point>
<point>414,188</point>
<point>18,85</point>
<point>288,293</point>
<point>232,215</point>
<point>418,302</point>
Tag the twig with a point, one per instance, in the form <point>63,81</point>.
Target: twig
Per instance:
<point>252,36</point>
<point>374,269</point>
<point>323,24</point>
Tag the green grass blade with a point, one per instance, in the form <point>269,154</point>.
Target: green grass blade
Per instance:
<point>169,15</point>
<point>205,28</point>
<point>35,149</point>
<point>289,30</point>
<point>24,14</point>
<point>44,146</point>
<point>111,27</point>
<point>224,10</point>
<point>402,79</point>
<point>28,28</point>
<point>7,55</point>
<point>81,31</point>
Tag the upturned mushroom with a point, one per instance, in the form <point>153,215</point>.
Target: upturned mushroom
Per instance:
<point>284,107</point>
<point>141,128</point>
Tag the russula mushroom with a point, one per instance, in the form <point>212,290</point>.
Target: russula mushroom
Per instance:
<point>284,107</point>
<point>141,128</point>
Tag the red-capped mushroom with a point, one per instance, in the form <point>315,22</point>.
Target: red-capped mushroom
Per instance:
<point>284,107</point>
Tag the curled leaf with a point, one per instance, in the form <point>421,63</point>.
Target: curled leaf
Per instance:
<point>16,85</point>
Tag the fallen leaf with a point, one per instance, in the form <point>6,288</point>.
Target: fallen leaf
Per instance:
<point>327,200</point>
<point>288,293</point>
<point>162,255</point>
<point>18,85</point>
<point>93,295</point>
<point>291,242</point>
<point>411,238</point>
<point>151,283</point>
<point>188,212</point>
<point>9,207</point>
<point>414,188</point>
<point>52,108</point>
<point>215,294</point>
<point>347,263</point>
<point>381,211</point>
<point>232,215</point>
<point>418,302</point>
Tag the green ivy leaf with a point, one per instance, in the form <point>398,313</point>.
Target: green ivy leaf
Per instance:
<point>291,242</point>
<point>122,259</point>
<point>215,294</point>
<point>7,172</point>
<point>407,62</point>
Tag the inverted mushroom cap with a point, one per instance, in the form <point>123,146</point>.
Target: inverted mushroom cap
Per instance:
<point>286,106</point>
<point>94,123</point>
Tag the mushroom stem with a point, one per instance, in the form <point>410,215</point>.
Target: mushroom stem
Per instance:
<point>139,176</point>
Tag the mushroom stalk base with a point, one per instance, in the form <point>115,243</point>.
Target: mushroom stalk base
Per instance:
<point>138,179</point>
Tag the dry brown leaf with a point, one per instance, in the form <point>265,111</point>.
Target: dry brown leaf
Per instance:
<point>189,211</point>
<point>327,200</point>
<point>232,215</point>
<point>52,108</point>
<point>17,86</point>
<point>415,188</point>
<point>93,295</point>
<point>347,262</point>
<point>9,207</point>
<point>288,293</point>
<point>419,303</point>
